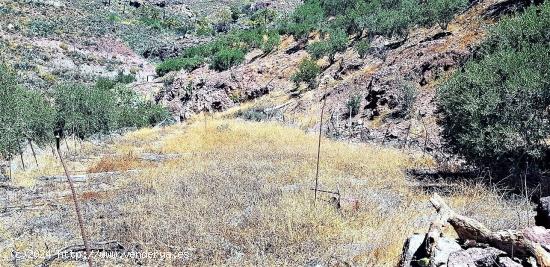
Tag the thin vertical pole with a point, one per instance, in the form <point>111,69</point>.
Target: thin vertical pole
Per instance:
<point>319,148</point>
<point>77,209</point>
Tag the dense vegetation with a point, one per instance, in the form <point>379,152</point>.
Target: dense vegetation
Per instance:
<point>496,107</point>
<point>335,20</point>
<point>70,110</point>
<point>224,52</point>
<point>307,73</point>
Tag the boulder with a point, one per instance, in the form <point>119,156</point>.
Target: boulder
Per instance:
<point>543,213</point>
<point>412,244</point>
<point>476,257</point>
<point>444,248</point>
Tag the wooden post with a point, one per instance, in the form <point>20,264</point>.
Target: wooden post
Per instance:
<point>350,125</point>
<point>319,148</point>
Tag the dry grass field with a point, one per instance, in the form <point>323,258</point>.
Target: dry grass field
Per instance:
<point>227,192</point>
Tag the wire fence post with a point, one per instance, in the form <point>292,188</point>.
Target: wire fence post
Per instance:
<point>77,209</point>
<point>319,149</point>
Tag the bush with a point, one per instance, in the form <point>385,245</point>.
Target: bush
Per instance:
<point>406,97</point>
<point>379,17</point>
<point>263,17</point>
<point>177,64</point>
<point>353,104</point>
<point>441,11</point>
<point>496,108</point>
<point>84,111</point>
<point>335,41</point>
<point>42,28</point>
<point>224,52</point>
<point>227,58</point>
<point>307,73</point>
<point>362,47</point>
<point>303,20</point>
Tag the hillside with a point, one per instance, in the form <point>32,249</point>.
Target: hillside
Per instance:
<point>274,133</point>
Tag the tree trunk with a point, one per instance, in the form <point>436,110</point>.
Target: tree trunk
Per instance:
<point>67,145</point>
<point>515,243</point>
<point>22,160</point>
<point>11,178</point>
<point>33,152</point>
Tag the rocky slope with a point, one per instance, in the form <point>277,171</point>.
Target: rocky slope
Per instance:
<point>420,61</point>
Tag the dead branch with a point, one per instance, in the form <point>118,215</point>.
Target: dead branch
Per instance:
<point>513,242</point>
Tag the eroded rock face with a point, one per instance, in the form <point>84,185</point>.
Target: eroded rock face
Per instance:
<point>396,82</point>
<point>543,213</point>
<point>211,91</point>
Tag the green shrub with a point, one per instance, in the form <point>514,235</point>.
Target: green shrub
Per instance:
<point>441,11</point>
<point>303,20</point>
<point>354,104</point>
<point>177,64</point>
<point>362,47</point>
<point>378,17</point>
<point>41,27</point>
<point>406,96</point>
<point>334,41</point>
<point>337,7</point>
<point>263,17</point>
<point>236,12</point>
<point>496,108</point>
<point>520,32</point>
<point>125,78</point>
<point>227,58</point>
<point>134,111</point>
<point>307,73</point>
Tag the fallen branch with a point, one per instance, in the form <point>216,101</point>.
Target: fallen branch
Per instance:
<point>515,243</point>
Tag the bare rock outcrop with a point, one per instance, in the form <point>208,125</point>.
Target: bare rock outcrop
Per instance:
<point>480,245</point>
<point>205,90</point>
<point>395,82</point>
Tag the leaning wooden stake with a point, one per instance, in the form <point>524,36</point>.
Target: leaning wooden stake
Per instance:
<point>517,243</point>
<point>319,148</point>
<point>77,209</point>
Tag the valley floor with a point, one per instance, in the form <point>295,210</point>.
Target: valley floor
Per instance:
<point>221,191</point>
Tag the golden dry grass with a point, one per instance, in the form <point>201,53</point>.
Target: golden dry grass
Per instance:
<point>113,163</point>
<point>240,195</point>
<point>237,193</point>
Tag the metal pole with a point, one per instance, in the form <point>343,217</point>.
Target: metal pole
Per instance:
<point>77,209</point>
<point>319,148</point>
